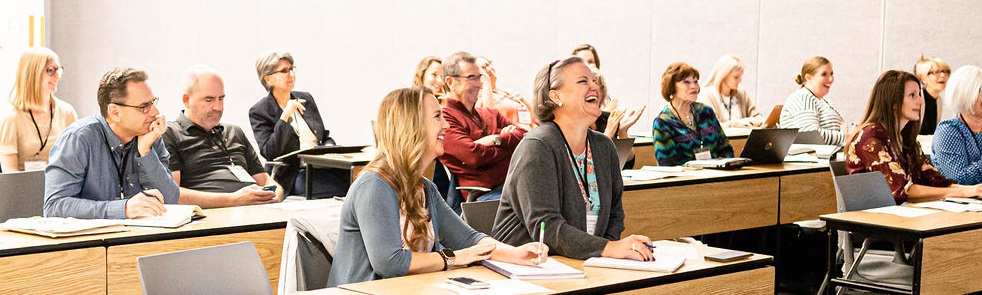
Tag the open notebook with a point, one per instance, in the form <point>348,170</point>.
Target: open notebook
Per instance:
<point>551,269</point>
<point>661,263</point>
<point>57,227</point>
<point>176,216</point>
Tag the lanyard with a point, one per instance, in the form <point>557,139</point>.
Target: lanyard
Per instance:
<point>728,105</point>
<point>580,177</point>
<point>211,136</point>
<point>695,125</point>
<point>972,134</point>
<point>120,170</point>
<point>43,140</point>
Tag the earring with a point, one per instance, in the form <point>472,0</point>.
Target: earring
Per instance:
<point>559,103</point>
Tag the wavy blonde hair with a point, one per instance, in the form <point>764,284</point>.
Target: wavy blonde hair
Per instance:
<point>401,136</point>
<point>26,93</point>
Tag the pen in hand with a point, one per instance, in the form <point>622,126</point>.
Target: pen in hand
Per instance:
<point>542,229</point>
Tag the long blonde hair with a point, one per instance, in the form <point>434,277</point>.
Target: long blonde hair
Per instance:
<point>401,136</point>
<point>26,93</point>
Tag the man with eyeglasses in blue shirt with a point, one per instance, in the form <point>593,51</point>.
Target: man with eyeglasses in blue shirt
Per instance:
<point>112,165</point>
<point>479,143</point>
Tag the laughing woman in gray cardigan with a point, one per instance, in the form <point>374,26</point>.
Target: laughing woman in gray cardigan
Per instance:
<point>394,222</point>
<point>567,176</point>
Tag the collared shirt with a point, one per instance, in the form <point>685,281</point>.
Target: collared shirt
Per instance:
<point>82,179</point>
<point>475,164</point>
<point>200,157</point>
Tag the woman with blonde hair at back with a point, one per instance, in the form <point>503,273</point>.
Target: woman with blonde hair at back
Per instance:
<point>394,221</point>
<point>32,121</point>
<point>934,72</point>
<point>723,93</point>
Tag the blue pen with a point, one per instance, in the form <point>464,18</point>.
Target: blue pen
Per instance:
<point>650,245</point>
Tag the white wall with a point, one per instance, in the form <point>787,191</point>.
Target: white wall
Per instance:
<point>15,36</point>
<point>350,54</point>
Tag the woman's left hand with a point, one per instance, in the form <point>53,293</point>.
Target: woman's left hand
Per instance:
<point>628,120</point>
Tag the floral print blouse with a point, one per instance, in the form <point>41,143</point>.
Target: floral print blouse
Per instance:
<point>872,151</point>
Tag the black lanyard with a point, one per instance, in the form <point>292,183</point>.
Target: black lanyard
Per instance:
<point>728,106</point>
<point>43,140</point>
<point>972,134</point>
<point>581,177</point>
<point>211,136</point>
<point>695,125</point>
<point>120,170</point>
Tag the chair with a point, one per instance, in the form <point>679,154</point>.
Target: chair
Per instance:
<point>455,193</point>
<point>22,194</point>
<point>308,249</point>
<point>480,215</point>
<point>863,191</point>
<point>313,263</point>
<point>225,269</point>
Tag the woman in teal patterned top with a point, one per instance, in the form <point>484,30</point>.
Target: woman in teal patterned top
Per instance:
<point>685,129</point>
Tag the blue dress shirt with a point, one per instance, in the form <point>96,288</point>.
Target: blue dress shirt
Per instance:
<point>957,152</point>
<point>82,179</point>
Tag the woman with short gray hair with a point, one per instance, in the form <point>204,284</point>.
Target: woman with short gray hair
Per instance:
<point>957,146</point>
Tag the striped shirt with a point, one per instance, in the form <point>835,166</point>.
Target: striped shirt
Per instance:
<point>805,111</point>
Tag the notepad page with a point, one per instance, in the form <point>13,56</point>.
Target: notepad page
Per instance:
<point>661,263</point>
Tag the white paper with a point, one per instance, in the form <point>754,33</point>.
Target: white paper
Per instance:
<point>503,287</point>
<point>303,205</point>
<point>801,158</point>
<point>660,264</point>
<point>665,169</point>
<point>950,206</point>
<point>902,211</point>
<point>676,251</point>
<point>632,174</point>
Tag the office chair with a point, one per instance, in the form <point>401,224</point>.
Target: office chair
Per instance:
<point>313,262</point>
<point>224,269</point>
<point>455,193</point>
<point>21,194</point>
<point>308,248</point>
<point>480,215</point>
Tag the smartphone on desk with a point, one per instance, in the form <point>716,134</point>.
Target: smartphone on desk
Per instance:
<point>729,256</point>
<point>468,283</point>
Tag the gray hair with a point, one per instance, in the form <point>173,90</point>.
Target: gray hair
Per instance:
<point>193,76</point>
<point>266,65</point>
<point>963,89</point>
<point>451,66</point>
<point>543,107</point>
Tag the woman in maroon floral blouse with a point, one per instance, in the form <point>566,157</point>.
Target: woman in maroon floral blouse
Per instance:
<point>887,142</point>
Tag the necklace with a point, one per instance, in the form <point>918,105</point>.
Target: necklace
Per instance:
<point>687,120</point>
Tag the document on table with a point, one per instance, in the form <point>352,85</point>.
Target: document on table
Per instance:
<point>662,263</point>
<point>902,211</point>
<point>176,216</point>
<point>951,206</point>
<point>551,269</point>
<point>304,205</point>
<point>504,287</point>
<point>632,174</point>
<point>57,227</point>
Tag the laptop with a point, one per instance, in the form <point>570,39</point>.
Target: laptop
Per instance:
<point>774,117</point>
<point>769,146</point>
<point>809,137</point>
<point>21,194</point>
<point>624,147</point>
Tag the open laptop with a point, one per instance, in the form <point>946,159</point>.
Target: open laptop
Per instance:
<point>769,146</point>
<point>774,117</point>
<point>624,147</point>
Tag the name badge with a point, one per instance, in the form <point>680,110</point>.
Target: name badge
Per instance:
<point>241,173</point>
<point>34,165</point>
<point>703,154</point>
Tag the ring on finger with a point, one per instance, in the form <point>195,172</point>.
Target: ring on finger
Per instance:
<point>634,247</point>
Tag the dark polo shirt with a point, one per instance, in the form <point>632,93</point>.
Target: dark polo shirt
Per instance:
<point>199,155</point>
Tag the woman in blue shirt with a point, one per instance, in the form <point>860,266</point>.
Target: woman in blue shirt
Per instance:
<point>957,146</point>
<point>686,130</point>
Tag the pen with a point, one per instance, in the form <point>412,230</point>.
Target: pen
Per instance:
<point>956,202</point>
<point>542,229</point>
<point>650,245</point>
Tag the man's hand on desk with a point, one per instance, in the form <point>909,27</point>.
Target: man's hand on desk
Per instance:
<point>145,204</point>
<point>253,195</point>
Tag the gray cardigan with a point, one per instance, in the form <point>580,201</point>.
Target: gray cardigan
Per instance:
<point>541,186</point>
<point>370,240</point>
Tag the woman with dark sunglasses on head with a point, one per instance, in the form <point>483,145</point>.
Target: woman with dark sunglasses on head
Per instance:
<point>32,121</point>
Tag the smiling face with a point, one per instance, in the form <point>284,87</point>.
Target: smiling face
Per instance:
<point>910,110</point>
<point>466,87</point>
<point>936,78</point>
<point>579,94</point>
<point>433,77</point>
<point>687,90</point>
<point>50,77</point>
<point>820,81</point>
<point>436,126</point>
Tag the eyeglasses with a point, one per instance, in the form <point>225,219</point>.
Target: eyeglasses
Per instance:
<point>470,77</point>
<point>52,71</point>
<point>145,108</point>
<point>285,71</point>
<point>939,72</point>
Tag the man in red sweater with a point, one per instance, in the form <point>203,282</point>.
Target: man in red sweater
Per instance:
<point>479,143</point>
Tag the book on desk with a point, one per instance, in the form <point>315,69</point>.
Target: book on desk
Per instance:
<point>551,269</point>
<point>176,216</point>
<point>59,227</point>
<point>660,264</point>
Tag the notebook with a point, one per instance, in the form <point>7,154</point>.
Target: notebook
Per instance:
<point>722,164</point>
<point>660,264</point>
<point>551,269</point>
<point>320,150</point>
<point>57,227</point>
<point>768,146</point>
<point>176,216</point>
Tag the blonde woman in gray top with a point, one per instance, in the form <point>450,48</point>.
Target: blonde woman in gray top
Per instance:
<point>808,109</point>
<point>732,105</point>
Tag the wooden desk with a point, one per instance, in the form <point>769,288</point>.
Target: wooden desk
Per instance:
<point>750,276</point>
<point>711,201</point>
<point>949,260</point>
<point>106,264</point>
<point>644,150</point>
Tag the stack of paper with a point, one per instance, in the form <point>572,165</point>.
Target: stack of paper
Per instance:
<point>660,264</point>
<point>551,269</point>
<point>57,227</point>
<point>176,216</point>
<point>951,206</point>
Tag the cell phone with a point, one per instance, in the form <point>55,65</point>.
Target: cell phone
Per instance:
<point>729,256</point>
<point>269,188</point>
<point>468,283</point>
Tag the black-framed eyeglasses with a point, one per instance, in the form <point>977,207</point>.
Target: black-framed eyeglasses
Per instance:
<point>939,72</point>
<point>285,71</point>
<point>52,71</point>
<point>470,77</point>
<point>145,107</point>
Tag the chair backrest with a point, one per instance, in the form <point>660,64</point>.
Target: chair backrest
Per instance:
<point>21,194</point>
<point>480,215</point>
<point>838,168</point>
<point>863,191</point>
<point>313,262</point>
<point>225,269</point>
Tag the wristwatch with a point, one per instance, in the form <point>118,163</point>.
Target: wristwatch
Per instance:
<point>448,258</point>
<point>496,139</point>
